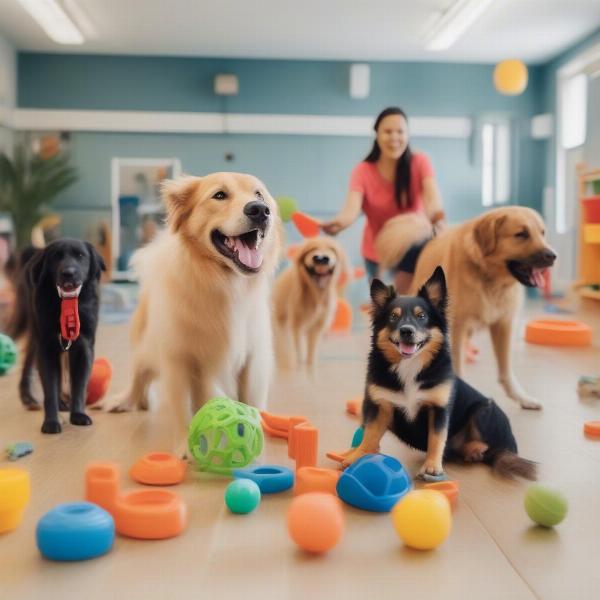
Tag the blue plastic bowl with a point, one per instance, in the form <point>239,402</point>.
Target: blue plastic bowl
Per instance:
<point>269,478</point>
<point>375,482</point>
<point>75,531</point>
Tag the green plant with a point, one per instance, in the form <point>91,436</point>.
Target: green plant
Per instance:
<point>28,183</point>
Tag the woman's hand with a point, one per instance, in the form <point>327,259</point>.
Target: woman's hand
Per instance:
<point>334,226</point>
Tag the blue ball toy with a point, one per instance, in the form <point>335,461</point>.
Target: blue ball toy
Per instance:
<point>269,478</point>
<point>75,531</point>
<point>375,482</point>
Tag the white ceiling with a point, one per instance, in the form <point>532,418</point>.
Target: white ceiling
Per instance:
<point>532,30</point>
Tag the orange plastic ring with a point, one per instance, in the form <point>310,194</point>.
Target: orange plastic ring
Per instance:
<point>158,468</point>
<point>592,429</point>
<point>448,488</point>
<point>556,332</point>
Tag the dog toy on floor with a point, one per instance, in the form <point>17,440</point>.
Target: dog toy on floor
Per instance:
<point>18,450</point>
<point>589,385</point>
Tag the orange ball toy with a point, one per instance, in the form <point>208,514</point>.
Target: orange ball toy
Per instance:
<point>99,380</point>
<point>316,521</point>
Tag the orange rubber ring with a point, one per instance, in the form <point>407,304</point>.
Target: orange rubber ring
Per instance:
<point>556,332</point>
<point>354,406</point>
<point>158,468</point>
<point>592,429</point>
<point>150,514</point>
<point>315,479</point>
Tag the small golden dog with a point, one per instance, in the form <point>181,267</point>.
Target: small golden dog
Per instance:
<point>487,260</point>
<point>305,298</point>
<point>203,323</point>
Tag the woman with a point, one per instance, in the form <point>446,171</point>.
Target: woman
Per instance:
<point>391,180</point>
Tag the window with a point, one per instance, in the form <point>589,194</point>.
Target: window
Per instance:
<point>573,118</point>
<point>495,174</point>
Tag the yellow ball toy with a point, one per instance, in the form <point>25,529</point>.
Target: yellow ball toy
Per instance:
<point>422,519</point>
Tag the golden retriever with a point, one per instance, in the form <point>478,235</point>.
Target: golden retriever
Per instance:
<point>305,298</point>
<point>486,260</point>
<point>203,323</point>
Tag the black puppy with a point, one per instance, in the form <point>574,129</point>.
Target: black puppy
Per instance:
<point>58,301</point>
<point>412,390</point>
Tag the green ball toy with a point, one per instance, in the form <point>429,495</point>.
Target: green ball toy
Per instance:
<point>242,496</point>
<point>544,506</point>
<point>287,207</point>
<point>225,435</point>
<point>8,353</point>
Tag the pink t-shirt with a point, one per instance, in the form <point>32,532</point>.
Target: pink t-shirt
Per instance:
<point>379,202</point>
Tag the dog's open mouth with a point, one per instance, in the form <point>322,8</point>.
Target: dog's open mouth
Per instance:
<point>68,290</point>
<point>244,250</point>
<point>527,274</point>
<point>320,275</point>
<point>406,349</point>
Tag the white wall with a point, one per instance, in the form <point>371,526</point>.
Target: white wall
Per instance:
<point>591,150</point>
<point>8,91</point>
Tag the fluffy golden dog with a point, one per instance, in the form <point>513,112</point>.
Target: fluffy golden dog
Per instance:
<point>305,298</point>
<point>486,261</point>
<point>203,323</point>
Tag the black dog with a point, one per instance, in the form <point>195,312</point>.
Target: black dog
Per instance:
<point>412,390</point>
<point>57,306</point>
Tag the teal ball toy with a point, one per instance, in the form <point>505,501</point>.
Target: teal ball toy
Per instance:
<point>242,496</point>
<point>544,506</point>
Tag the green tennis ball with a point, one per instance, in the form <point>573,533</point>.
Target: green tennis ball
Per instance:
<point>545,506</point>
<point>287,207</point>
<point>242,496</point>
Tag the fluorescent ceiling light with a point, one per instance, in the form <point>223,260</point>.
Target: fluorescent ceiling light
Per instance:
<point>454,22</point>
<point>52,18</point>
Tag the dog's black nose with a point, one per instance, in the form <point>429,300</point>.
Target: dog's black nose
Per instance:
<point>406,331</point>
<point>548,256</point>
<point>256,211</point>
<point>320,260</point>
<point>68,273</point>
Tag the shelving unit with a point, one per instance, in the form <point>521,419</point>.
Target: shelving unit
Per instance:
<point>589,236</point>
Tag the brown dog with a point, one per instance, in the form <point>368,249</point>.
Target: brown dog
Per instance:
<point>305,297</point>
<point>203,324</point>
<point>486,260</point>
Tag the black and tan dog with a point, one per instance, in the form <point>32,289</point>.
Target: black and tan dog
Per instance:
<point>412,390</point>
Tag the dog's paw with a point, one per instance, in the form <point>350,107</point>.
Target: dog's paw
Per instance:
<point>80,419</point>
<point>116,405</point>
<point>431,467</point>
<point>30,403</point>
<point>51,427</point>
<point>529,403</point>
<point>351,456</point>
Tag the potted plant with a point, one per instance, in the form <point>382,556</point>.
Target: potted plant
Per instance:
<point>28,183</point>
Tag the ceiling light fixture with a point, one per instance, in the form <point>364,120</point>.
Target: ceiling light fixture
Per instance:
<point>53,19</point>
<point>454,22</point>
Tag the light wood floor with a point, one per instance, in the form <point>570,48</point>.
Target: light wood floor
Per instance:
<point>493,551</point>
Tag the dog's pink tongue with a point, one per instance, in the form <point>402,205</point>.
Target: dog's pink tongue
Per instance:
<point>537,277</point>
<point>251,257</point>
<point>408,348</point>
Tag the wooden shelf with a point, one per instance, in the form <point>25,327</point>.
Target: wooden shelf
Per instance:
<point>589,235</point>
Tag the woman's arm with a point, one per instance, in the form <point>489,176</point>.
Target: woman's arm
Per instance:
<point>432,202</point>
<point>349,213</point>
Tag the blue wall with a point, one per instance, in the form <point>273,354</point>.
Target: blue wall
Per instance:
<point>313,169</point>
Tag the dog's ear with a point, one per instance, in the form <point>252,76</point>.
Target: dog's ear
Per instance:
<point>381,294</point>
<point>35,268</point>
<point>487,232</point>
<point>177,195</point>
<point>435,290</point>
<point>96,263</point>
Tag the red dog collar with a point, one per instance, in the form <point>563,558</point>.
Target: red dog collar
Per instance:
<point>69,316</point>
